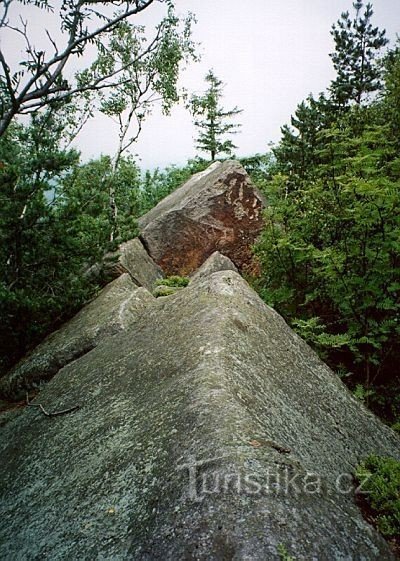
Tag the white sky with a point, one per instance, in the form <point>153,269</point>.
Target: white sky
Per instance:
<point>270,54</point>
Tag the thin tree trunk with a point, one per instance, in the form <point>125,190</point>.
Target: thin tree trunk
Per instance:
<point>111,189</point>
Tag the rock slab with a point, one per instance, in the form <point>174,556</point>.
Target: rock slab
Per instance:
<point>136,261</point>
<point>207,430</point>
<point>117,305</point>
<point>132,258</point>
<point>216,210</point>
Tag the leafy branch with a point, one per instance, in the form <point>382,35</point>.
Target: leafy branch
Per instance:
<point>44,80</point>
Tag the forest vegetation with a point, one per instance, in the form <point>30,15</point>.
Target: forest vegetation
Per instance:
<point>330,248</point>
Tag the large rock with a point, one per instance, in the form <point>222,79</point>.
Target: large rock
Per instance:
<point>132,258</point>
<point>116,307</point>
<point>208,430</point>
<point>137,262</point>
<point>216,210</point>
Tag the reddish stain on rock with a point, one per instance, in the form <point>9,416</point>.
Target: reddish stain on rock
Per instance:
<point>216,210</point>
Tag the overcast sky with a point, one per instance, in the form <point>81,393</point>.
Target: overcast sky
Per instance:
<point>270,54</point>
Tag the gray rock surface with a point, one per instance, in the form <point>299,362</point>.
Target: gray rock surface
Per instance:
<point>116,306</point>
<point>177,197</point>
<point>208,430</point>
<point>216,210</point>
<point>132,258</point>
<point>138,263</point>
<point>216,262</point>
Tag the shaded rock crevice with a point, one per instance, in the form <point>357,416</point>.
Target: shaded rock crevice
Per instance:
<point>131,257</point>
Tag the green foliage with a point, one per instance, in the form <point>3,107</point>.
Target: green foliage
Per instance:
<point>39,265</point>
<point>260,168</point>
<point>170,285</point>
<point>38,81</point>
<point>313,331</point>
<point>330,247</point>
<point>391,100</point>
<point>54,223</point>
<point>296,155</point>
<point>149,71</point>
<point>83,202</point>
<point>362,393</point>
<point>396,426</point>
<point>146,73</point>
<point>383,398</point>
<point>211,119</point>
<point>379,478</point>
<point>164,291</point>
<point>174,281</point>
<point>65,227</point>
<point>59,216</point>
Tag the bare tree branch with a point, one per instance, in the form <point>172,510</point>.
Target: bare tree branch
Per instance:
<point>52,42</point>
<point>97,83</point>
<point>7,74</point>
<point>78,129</point>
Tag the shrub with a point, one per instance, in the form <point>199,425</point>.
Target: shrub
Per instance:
<point>174,281</point>
<point>164,291</point>
<point>380,481</point>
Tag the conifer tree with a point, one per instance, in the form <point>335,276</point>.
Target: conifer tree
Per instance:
<point>296,154</point>
<point>357,44</point>
<point>210,118</point>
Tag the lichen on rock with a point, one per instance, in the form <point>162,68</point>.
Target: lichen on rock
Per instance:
<point>207,430</point>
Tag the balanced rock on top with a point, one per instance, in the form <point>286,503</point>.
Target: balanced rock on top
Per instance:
<point>218,209</point>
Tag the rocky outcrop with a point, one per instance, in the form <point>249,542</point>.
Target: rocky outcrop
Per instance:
<point>216,210</point>
<point>116,307</point>
<point>137,262</point>
<point>207,430</point>
<point>199,426</point>
<point>132,258</point>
